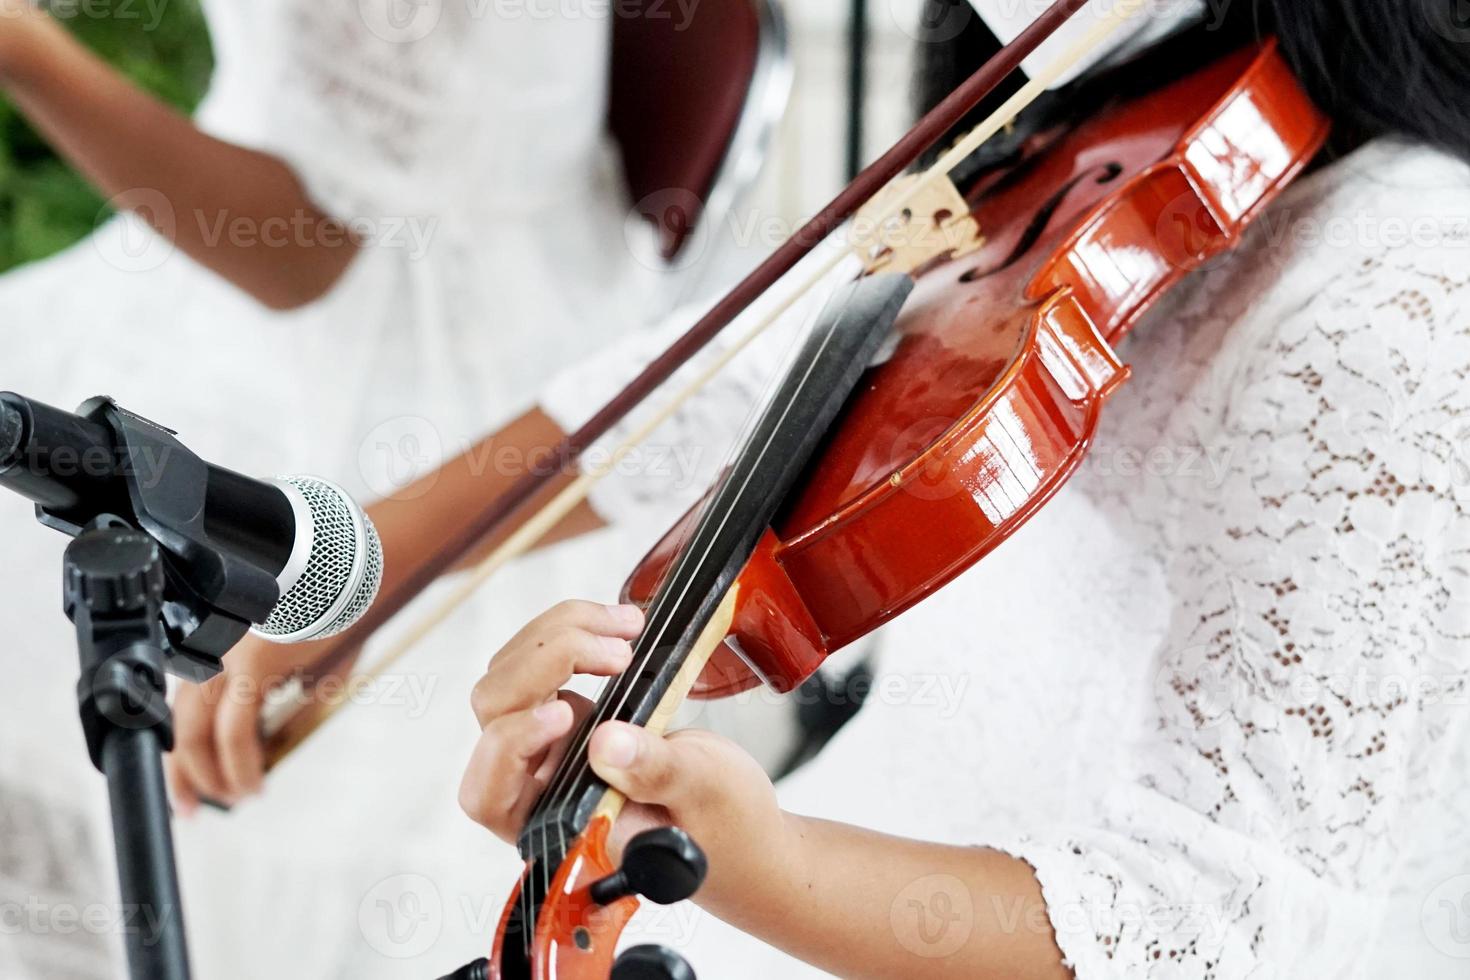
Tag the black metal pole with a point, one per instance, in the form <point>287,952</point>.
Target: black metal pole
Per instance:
<point>153,915</point>
<point>113,589</point>
<point>857,85</point>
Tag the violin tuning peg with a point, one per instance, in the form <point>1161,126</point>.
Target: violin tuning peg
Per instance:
<point>663,865</point>
<point>651,963</point>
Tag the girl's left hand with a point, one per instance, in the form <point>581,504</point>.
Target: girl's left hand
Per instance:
<point>696,780</point>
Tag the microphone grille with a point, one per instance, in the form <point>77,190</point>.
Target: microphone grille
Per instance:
<point>342,571</point>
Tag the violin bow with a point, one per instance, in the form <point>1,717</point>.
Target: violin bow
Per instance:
<point>880,193</point>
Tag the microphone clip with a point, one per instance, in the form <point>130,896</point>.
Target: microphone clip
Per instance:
<point>211,594</point>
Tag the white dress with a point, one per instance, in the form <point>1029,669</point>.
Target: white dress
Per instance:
<point>1215,693</point>
<point>465,141</point>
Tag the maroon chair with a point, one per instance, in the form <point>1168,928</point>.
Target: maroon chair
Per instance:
<point>694,107</point>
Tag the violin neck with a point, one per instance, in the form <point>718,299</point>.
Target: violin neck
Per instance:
<point>696,599</point>
<point>709,640</point>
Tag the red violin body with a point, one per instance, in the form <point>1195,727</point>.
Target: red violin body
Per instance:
<point>1006,358</point>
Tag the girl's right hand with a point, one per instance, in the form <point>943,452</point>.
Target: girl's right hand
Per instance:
<point>219,751</point>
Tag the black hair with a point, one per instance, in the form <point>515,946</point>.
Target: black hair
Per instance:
<point>1384,67</point>
<point>1378,67</point>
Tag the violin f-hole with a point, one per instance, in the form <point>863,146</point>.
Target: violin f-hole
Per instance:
<point>1102,174</point>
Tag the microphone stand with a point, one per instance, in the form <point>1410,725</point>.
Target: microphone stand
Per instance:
<point>113,593</point>
<point>151,588</point>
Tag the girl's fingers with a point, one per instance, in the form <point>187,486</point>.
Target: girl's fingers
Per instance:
<point>623,622</point>
<point>677,771</point>
<point>186,801</point>
<point>493,792</point>
<point>545,766</point>
<point>194,749</point>
<point>531,670</point>
<point>525,722</point>
<point>237,738</point>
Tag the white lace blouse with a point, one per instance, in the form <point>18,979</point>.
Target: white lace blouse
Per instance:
<point>1215,694</point>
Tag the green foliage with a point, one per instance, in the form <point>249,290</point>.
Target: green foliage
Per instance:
<point>162,45</point>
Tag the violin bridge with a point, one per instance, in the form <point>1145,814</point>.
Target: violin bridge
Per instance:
<point>915,220</point>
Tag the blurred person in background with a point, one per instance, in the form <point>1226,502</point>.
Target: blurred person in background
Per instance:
<point>384,226</point>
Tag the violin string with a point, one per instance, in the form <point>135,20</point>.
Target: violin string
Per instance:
<point>601,716</point>
<point>654,614</point>
<point>569,770</point>
<point>545,865</point>
<point>561,840</point>
<point>526,912</point>
<point>540,855</point>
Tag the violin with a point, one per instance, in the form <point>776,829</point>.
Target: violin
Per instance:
<point>866,486</point>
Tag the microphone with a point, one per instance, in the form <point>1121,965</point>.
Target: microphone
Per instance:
<point>295,559</point>
<point>334,568</point>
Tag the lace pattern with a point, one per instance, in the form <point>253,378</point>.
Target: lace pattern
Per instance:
<point>1310,691</point>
